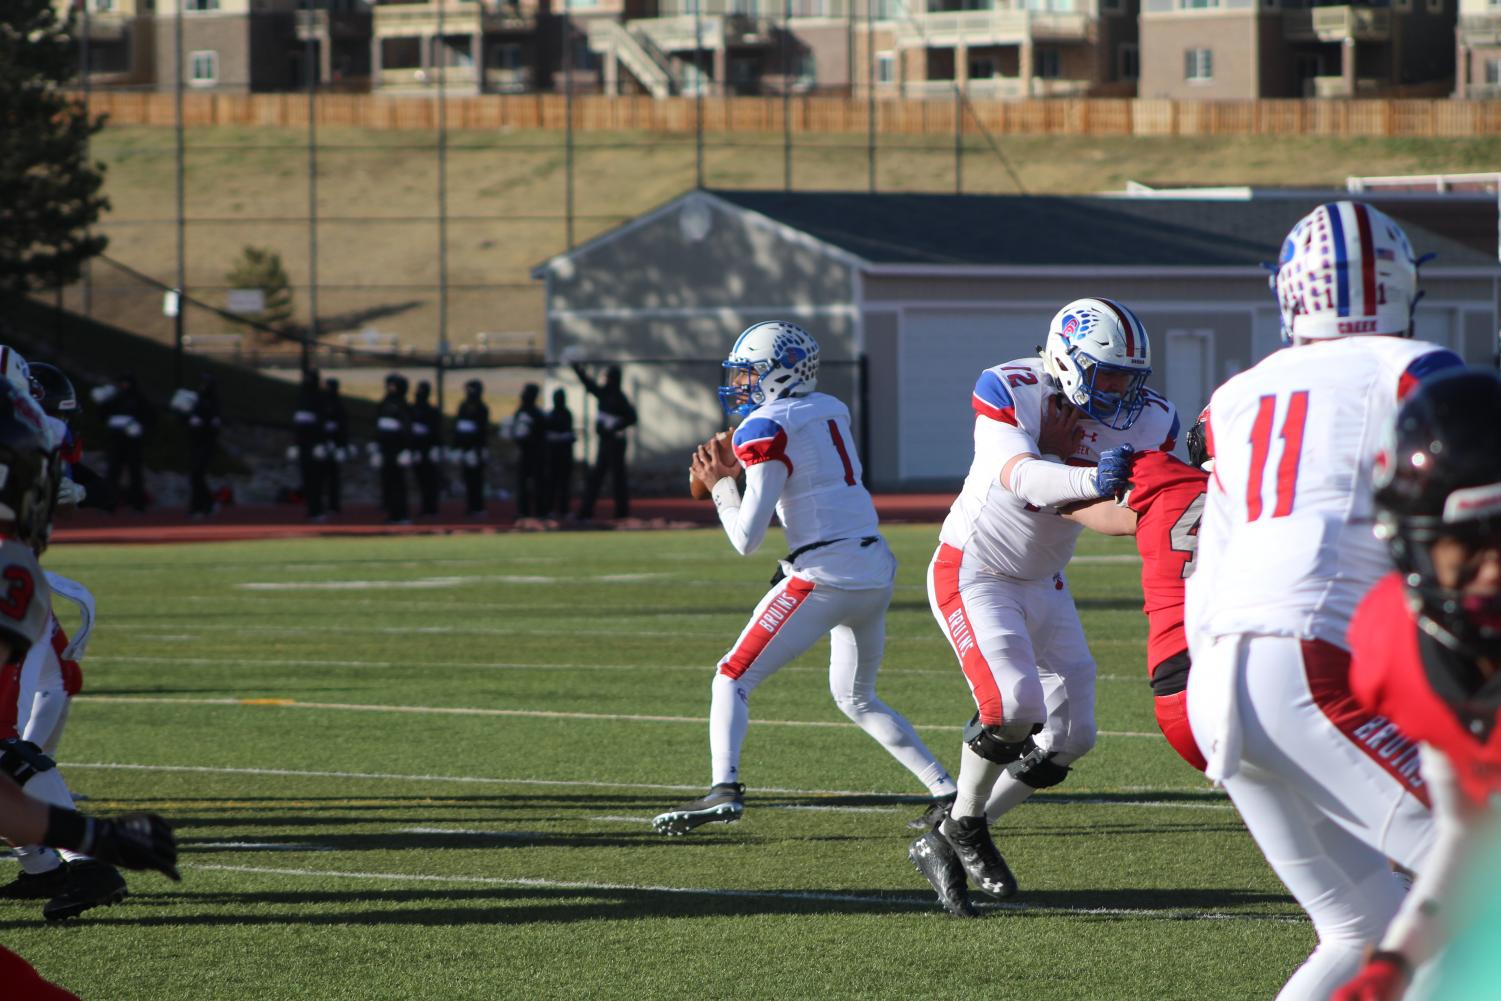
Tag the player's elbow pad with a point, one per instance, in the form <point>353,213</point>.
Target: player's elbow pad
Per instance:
<point>1052,484</point>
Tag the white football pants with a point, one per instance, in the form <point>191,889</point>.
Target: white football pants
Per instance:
<point>1329,791</point>
<point>42,705</point>
<point>793,616</point>
<point>1024,656</point>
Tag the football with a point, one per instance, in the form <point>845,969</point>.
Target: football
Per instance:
<point>726,445</point>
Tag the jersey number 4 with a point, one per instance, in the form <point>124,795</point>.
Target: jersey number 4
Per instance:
<point>1292,453</point>
<point>1184,536</point>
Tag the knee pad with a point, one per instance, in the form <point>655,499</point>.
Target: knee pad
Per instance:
<point>21,759</point>
<point>1171,676</point>
<point>1001,744</point>
<point>1037,768</point>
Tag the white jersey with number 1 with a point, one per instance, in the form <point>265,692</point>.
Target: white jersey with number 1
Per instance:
<point>1286,546</point>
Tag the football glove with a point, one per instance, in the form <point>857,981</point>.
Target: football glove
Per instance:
<point>1383,978</point>
<point>131,840</point>
<point>1113,475</point>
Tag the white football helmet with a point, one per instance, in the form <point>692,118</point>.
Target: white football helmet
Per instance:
<point>779,359</point>
<point>1345,269</point>
<point>1090,338</point>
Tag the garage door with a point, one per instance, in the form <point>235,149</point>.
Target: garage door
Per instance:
<point>941,353</point>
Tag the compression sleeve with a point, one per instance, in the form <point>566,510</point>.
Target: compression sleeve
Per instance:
<point>1422,925</point>
<point>1052,484</point>
<point>746,519</point>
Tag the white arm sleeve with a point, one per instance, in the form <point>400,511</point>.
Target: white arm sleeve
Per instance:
<point>746,519</point>
<point>1052,484</point>
<point>1421,926</point>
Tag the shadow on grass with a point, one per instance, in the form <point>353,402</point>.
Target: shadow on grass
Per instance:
<point>517,905</point>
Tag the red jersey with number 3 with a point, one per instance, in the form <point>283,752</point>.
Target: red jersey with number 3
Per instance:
<point>1168,498</point>
<point>1286,547</point>
<point>1388,676</point>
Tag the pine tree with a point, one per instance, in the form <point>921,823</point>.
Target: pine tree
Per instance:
<point>260,267</point>
<point>49,191</point>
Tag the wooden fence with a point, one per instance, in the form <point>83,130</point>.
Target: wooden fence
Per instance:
<point>1087,116</point>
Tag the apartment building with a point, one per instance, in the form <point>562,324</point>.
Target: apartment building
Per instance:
<point>1477,61</point>
<point>116,39</point>
<point>239,46</point>
<point>708,46</point>
<point>1288,48</point>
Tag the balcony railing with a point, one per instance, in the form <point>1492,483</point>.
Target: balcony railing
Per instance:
<point>1480,29</point>
<point>458,18</point>
<point>714,31</point>
<point>989,27</point>
<point>1335,24</point>
<point>997,88</point>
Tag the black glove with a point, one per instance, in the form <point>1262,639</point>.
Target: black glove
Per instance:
<point>132,840</point>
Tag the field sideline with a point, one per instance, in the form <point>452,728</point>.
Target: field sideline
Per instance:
<point>424,767</point>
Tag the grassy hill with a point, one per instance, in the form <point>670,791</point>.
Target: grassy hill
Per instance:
<point>377,200</point>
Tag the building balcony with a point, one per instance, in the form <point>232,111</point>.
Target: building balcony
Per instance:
<point>459,18</point>
<point>108,27</point>
<point>508,81</point>
<point>1480,29</point>
<point>413,78</point>
<point>947,29</point>
<point>713,31</point>
<point>996,88</point>
<point>1336,24</point>
<point>1336,87</point>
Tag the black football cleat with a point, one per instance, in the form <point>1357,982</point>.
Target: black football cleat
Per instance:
<point>934,814</point>
<point>970,839</point>
<point>934,858</point>
<point>42,886</point>
<point>722,804</point>
<point>90,883</point>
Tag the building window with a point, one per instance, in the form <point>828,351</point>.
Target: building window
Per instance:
<point>200,4</point>
<point>1197,4</point>
<point>1049,65</point>
<point>982,68</point>
<point>1130,62</point>
<point>885,67</point>
<point>1493,71</point>
<point>203,68</point>
<point>1198,65</point>
<point>102,6</point>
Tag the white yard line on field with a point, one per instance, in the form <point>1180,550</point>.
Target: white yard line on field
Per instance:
<point>1215,798</point>
<point>895,899</point>
<point>706,667</point>
<point>280,703</point>
<point>428,583</point>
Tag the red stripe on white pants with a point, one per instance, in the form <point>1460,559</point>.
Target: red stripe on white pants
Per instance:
<point>961,634</point>
<point>1327,670</point>
<point>771,620</point>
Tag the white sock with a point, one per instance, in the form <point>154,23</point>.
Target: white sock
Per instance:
<point>977,777</point>
<point>1007,793</point>
<point>37,859</point>
<point>729,719</point>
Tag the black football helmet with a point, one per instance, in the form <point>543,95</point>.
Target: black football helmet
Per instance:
<point>54,391</point>
<point>1197,441</point>
<point>28,490</point>
<point>1439,475</point>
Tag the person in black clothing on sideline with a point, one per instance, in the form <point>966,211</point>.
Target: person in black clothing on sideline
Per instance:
<point>427,440</point>
<point>393,421</point>
<point>307,429</point>
<point>615,415</point>
<point>203,437</point>
<point>336,442</point>
<point>128,417</point>
<point>558,461</point>
<point>527,432</point>
<point>470,429</point>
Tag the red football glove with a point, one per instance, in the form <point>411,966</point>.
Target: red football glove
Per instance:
<point>1383,978</point>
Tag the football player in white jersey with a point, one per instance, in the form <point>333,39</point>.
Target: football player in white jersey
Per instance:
<point>1329,791</point>
<point>996,583</point>
<point>798,453</point>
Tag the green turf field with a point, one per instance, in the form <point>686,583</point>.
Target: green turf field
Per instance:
<point>424,768</point>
